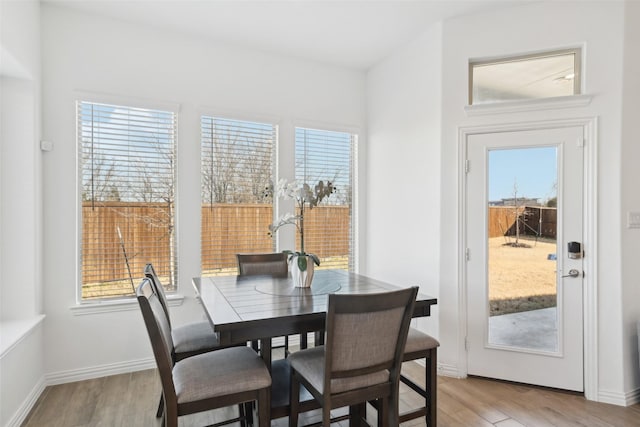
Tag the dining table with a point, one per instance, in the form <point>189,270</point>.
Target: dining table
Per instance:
<point>243,309</point>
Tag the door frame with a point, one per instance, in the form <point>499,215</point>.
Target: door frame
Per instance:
<point>590,228</point>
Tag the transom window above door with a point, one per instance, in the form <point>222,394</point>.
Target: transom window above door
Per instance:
<point>533,76</point>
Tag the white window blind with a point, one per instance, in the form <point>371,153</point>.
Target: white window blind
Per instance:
<point>237,169</point>
<point>128,180</point>
<point>323,155</point>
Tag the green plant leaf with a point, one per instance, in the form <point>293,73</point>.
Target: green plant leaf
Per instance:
<point>315,258</point>
<point>302,263</point>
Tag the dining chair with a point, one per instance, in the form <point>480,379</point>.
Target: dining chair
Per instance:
<point>420,345</point>
<point>188,340</point>
<point>361,358</point>
<point>229,376</point>
<point>273,264</point>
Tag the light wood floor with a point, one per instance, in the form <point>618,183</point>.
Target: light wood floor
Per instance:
<point>130,400</point>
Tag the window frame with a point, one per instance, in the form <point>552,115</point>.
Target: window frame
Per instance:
<point>120,302</point>
<point>577,80</point>
<point>353,263</point>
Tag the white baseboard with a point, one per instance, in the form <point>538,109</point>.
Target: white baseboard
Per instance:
<point>99,371</point>
<point>604,396</point>
<point>633,397</point>
<point>449,371</point>
<point>21,414</point>
<point>620,399</point>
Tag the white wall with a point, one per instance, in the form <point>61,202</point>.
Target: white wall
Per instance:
<point>82,53</point>
<point>403,158</point>
<point>631,196</point>
<point>20,177</point>
<point>534,27</point>
<point>21,361</point>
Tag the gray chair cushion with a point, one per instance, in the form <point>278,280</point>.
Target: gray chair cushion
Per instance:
<point>310,364</point>
<point>257,268</point>
<point>194,337</point>
<point>218,373</point>
<point>419,341</point>
<point>356,335</point>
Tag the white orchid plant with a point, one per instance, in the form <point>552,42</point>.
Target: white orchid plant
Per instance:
<point>306,197</point>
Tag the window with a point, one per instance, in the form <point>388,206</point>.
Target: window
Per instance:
<point>322,155</point>
<point>127,173</point>
<point>542,75</point>
<point>237,163</point>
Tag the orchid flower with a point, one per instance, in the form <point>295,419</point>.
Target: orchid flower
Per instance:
<point>304,195</point>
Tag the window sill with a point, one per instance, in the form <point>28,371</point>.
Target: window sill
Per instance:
<point>14,331</point>
<point>528,105</point>
<point>96,307</point>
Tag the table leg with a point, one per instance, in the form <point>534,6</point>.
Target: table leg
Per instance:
<point>265,352</point>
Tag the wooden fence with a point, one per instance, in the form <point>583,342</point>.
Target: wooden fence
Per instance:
<point>226,229</point>
<point>145,230</point>
<point>534,221</point>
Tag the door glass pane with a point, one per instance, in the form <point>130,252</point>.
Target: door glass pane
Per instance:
<point>522,250</point>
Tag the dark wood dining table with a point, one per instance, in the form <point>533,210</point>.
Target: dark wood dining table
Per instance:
<point>248,308</point>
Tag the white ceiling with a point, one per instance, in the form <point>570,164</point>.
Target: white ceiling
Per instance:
<point>350,33</point>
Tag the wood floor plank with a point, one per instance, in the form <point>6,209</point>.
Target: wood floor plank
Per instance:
<point>130,400</point>
<point>478,402</point>
<point>459,411</point>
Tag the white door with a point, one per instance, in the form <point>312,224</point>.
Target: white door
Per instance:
<point>524,193</point>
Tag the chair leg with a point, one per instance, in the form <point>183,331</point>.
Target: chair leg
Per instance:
<point>431,382</point>
<point>294,400</point>
<point>264,407</point>
<point>383,413</point>
<point>358,414</point>
<point>160,410</point>
<point>170,418</point>
<point>326,414</point>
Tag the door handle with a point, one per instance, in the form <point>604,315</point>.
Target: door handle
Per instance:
<point>572,273</point>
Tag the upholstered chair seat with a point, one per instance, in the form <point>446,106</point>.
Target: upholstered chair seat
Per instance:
<point>419,341</point>
<point>219,373</point>
<point>194,338</point>
<point>311,366</point>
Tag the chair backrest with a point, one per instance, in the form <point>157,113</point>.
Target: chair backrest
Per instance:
<point>150,273</point>
<point>366,335</point>
<point>159,331</point>
<point>272,263</point>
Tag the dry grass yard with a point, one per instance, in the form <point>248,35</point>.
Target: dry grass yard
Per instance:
<point>521,278</point>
